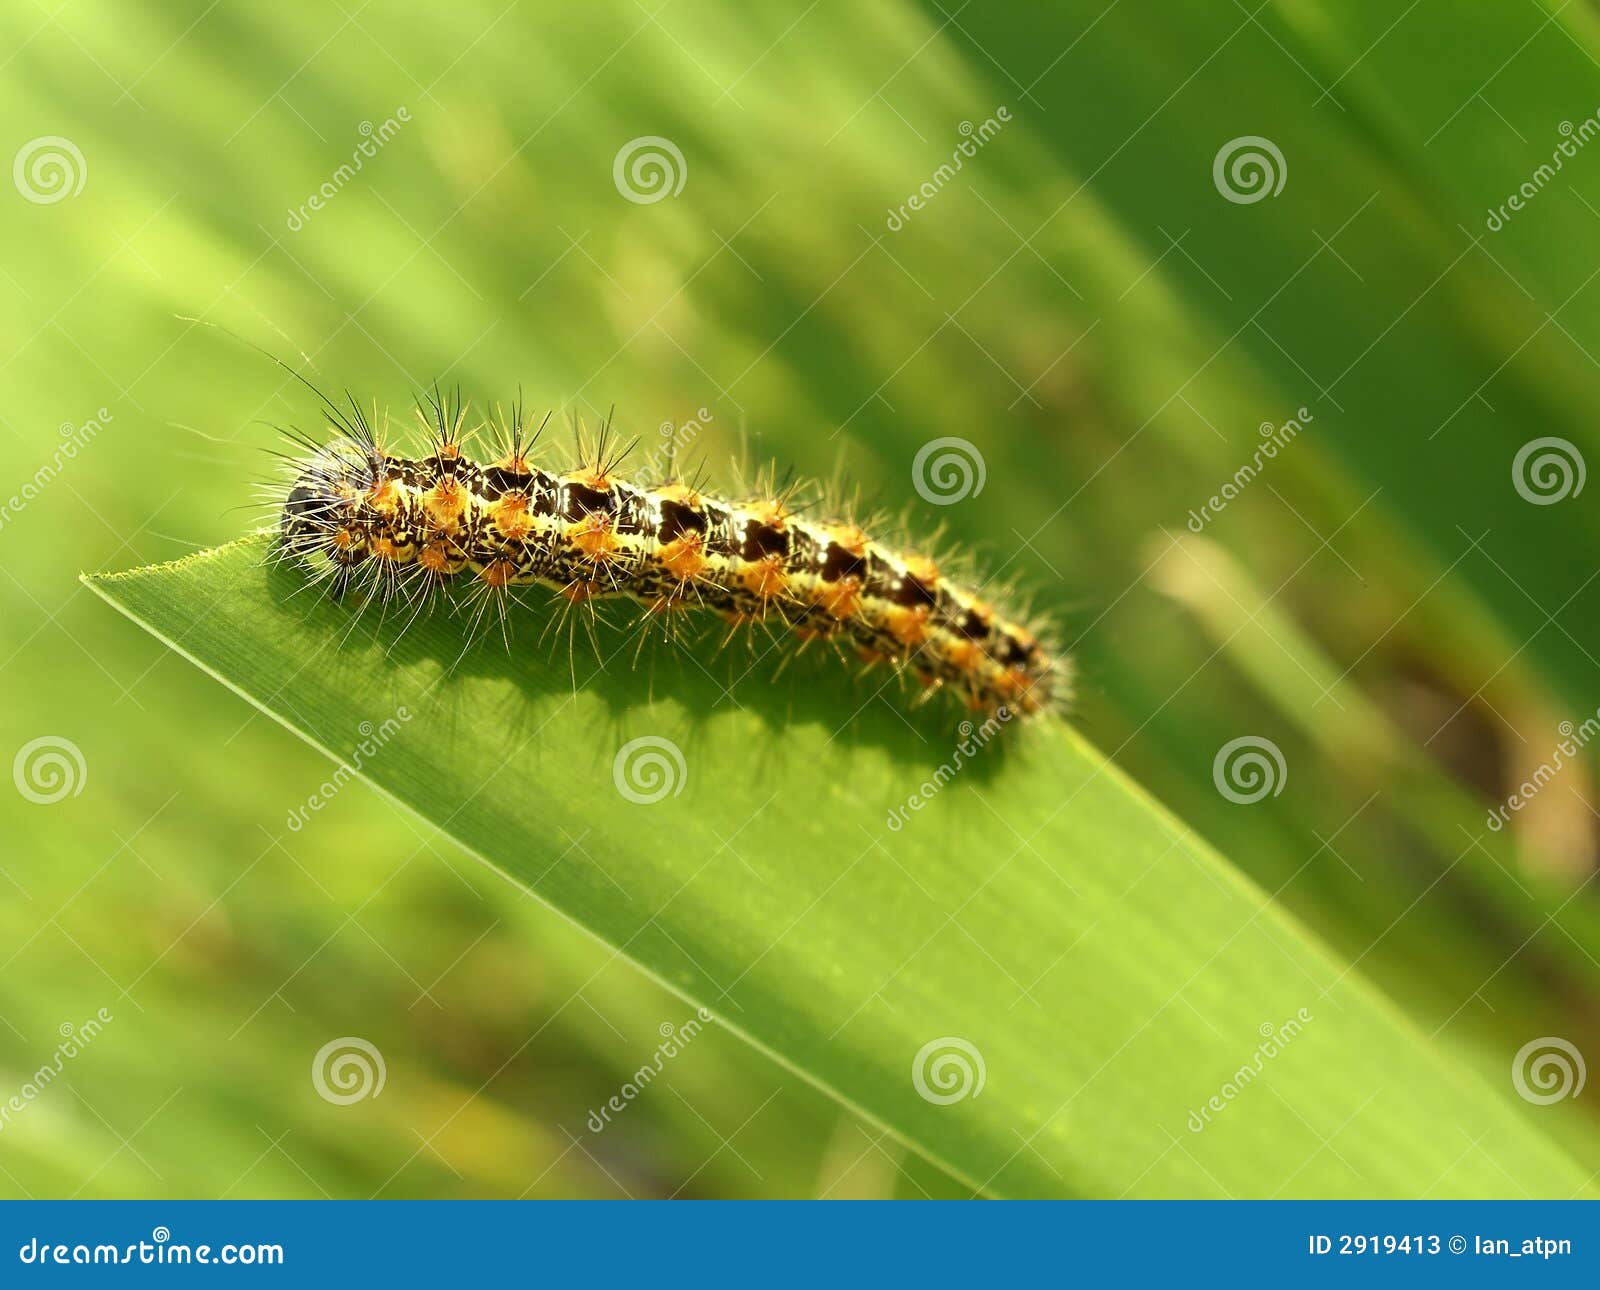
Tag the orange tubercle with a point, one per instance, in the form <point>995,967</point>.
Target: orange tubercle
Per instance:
<point>770,512</point>
<point>908,626</point>
<point>964,655</point>
<point>434,557</point>
<point>498,573</point>
<point>842,599</point>
<point>765,577</point>
<point>684,557</point>
<point>1011,682</point>
<point>591,477</point>
<point>384,496</point>
<point>849,537</point>
<point>510,517</point>
<point>444,504</point>
<point>593,536</point>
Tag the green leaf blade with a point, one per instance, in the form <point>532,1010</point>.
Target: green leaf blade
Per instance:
<point>1110,973</point>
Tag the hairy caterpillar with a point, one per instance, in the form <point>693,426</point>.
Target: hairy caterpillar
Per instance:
<point>358,516</point>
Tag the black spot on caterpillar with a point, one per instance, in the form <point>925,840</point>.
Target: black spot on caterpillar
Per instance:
<point>373,522</point>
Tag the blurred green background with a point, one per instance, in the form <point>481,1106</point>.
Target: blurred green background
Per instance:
<point>1082,302</point>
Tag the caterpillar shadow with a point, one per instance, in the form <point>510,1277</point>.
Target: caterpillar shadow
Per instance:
<point>608,653</point>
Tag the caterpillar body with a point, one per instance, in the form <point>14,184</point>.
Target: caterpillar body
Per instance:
<point>358,516</point>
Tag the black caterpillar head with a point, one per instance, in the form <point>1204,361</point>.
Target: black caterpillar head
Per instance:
<point>321,512</point>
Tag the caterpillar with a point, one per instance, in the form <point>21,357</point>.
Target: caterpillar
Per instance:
<point>357,515</point>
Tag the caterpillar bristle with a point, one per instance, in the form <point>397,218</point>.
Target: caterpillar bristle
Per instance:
<point>368,523</point>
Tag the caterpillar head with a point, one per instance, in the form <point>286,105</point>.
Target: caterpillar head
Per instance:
<point>321,516</point>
